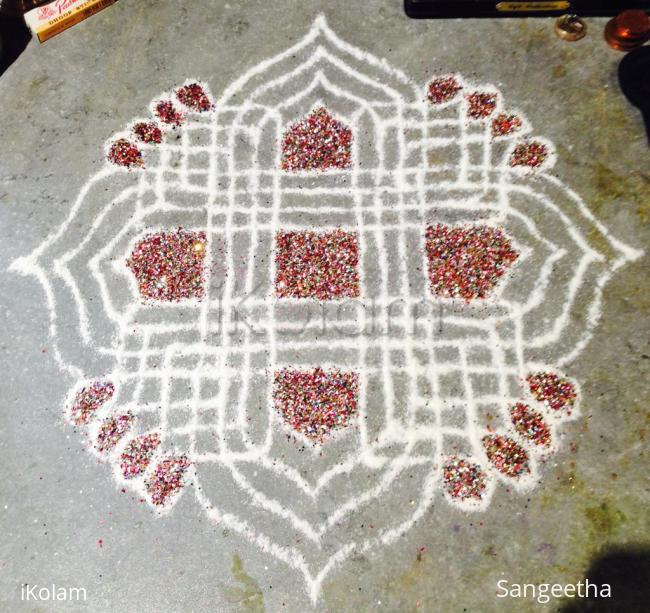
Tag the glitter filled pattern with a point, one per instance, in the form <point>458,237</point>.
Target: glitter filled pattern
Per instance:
<point>124,153</point>
<point>509,458</point>
<point>463,479</point>
<point>169,266</point>
<point>193,96</point>
<point>89,399</point>
<point>316,402</point>
<point>443,89</point>
<point>322,266</point>
<point>167,479</point>
<point>467,262</point>
<point>557,393</point>
<point>318,142</point>
<point>531,155</point>
<point>168,113</point>
<point>138,453</point>
<point>530,424</point>
<point>112,431</point>
<point>186,376</point>
<point>481,104</point>
<point>148,132</point>
<point>504,124</point>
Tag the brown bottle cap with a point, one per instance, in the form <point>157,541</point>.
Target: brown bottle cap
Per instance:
<point>570,27</point>
<point>627,30</point>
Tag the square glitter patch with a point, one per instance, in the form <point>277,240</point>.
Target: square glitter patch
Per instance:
<point>168,266</point>
<point>467,262</point>
<point>324,266</point>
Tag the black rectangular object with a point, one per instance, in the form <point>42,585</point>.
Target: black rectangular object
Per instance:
<point>429,9</point>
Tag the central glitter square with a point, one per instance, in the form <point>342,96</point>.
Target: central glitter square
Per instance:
<point>324,266</point>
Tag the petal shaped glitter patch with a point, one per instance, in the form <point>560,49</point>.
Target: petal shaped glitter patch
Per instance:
<point>316,403</point>
<point>265,271</point>
<point>317,142</point>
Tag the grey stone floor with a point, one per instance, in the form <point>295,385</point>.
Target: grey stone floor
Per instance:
<point>62,100</point>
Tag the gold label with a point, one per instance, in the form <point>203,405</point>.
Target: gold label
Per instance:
<point>50,19</point>
<point>533,6</point>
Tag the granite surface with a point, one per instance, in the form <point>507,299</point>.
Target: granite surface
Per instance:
<point>63,99</point>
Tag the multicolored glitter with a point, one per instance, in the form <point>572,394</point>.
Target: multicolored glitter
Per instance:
<point>316,402</point>
<point>318,142</point>
<point>529,154</point>
<point>464,479</point>
<point>322,266</point>
<point>148,132</point>
<point>168,113</point>
<point>193,96</point>
<point>507,457</point>
<point>167,479</point>
<point>504,124</point>
<point>124,153</point>
<point>138,453</point>
<point>112,431</point>
<point>557,393</point>
<point>467,262</point>
<point>481,104</point>
<point>443,89</point>
<point>530,424</point>
<point>169,266</point>
<point>90,399</point>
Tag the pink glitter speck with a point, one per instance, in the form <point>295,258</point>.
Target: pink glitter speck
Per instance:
<point>138,453</point>
<point>530,424</point>
<point>126,154</point>
<point>148,132</point>
<point>463,479</point>
<point>481,104</point>
<point>194,97</point>
<point>531,155</point>
<point>169,114</point>
<point>112,431</point>
<point>507,457</point>
<point>167,479</point>
<point>443,89</point>
<point>504,124</point>
<point>557,393</point>
<point>89,399</point>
